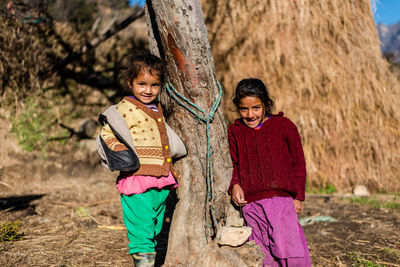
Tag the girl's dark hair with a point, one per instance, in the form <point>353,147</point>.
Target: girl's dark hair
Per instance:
<point>253,87</point>
<point>147,62</point>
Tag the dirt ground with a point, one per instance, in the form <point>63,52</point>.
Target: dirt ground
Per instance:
<point>70,215</point>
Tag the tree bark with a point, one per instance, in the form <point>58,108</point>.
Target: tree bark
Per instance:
<point>178,34</point>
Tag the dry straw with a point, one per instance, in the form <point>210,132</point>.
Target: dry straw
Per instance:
<point>322,63</point>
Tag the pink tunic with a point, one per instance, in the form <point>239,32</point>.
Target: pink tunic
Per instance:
<point>137,184</point>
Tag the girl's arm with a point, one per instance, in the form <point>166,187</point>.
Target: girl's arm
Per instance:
<point>235,190</point>
<point>110,139</point>
<point>234,156</point>
<point>293,141</point>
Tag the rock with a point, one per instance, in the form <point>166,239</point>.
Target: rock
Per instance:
<point>233,236</point>
<point>361,191</point>
<point>87,129</point>
<point>237,222</point>
<point>233,217</point>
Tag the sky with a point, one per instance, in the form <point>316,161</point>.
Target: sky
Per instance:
<point>141,2</point>
<point>385,11</point>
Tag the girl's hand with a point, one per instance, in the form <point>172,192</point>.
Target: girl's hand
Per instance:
<point>238,195</point>
<point>298,206</point>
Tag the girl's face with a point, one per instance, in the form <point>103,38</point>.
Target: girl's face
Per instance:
<point>146,86</point>
<point>252,111</point>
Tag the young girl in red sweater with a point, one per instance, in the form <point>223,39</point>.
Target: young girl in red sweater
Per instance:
<point>269,174</point>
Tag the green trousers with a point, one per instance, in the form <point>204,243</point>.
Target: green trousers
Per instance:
<point>143,215</point>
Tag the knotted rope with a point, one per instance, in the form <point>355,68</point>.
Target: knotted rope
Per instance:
<point>207,118</point>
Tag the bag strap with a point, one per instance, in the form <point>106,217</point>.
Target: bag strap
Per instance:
<point>103,121</point>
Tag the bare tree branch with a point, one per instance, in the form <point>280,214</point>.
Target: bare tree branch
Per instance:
<point>96,41</point>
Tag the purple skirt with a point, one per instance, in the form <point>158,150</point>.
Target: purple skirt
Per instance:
<point>275,228</point>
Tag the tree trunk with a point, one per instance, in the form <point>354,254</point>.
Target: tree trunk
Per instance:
<point>178,34</point>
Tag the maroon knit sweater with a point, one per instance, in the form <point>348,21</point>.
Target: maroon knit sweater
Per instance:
<point>268,161</point>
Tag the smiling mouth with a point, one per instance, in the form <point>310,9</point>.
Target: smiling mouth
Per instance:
<point>252,123</point>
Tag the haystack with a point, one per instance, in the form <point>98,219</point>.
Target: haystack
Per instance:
<point>322,63</point>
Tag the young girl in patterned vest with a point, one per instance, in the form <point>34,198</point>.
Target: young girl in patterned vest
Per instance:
<point>269,175</point>
<point>144,191</point>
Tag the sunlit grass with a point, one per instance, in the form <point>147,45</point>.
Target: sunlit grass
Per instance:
<point>374,202</point>
<point>10,231</point>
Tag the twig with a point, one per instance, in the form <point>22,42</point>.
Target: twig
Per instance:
<point>35,239</point>
<point>93,218</point>
<point>7,185</point>
<point>388,263</point>
<point>364,241</point>
<point>357,243</point>
<point>349,236</point>
<point>111,227</point>
<point>4,211</point>
<point>340,262</point>
<point>326,260</point>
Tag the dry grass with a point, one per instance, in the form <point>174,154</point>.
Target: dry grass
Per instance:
<point>321,61</point>
<point>20,53</point>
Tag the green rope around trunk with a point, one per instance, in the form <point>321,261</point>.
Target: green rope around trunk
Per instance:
<point>207,118</point>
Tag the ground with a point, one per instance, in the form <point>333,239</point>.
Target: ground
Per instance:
<point>70,215</point>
